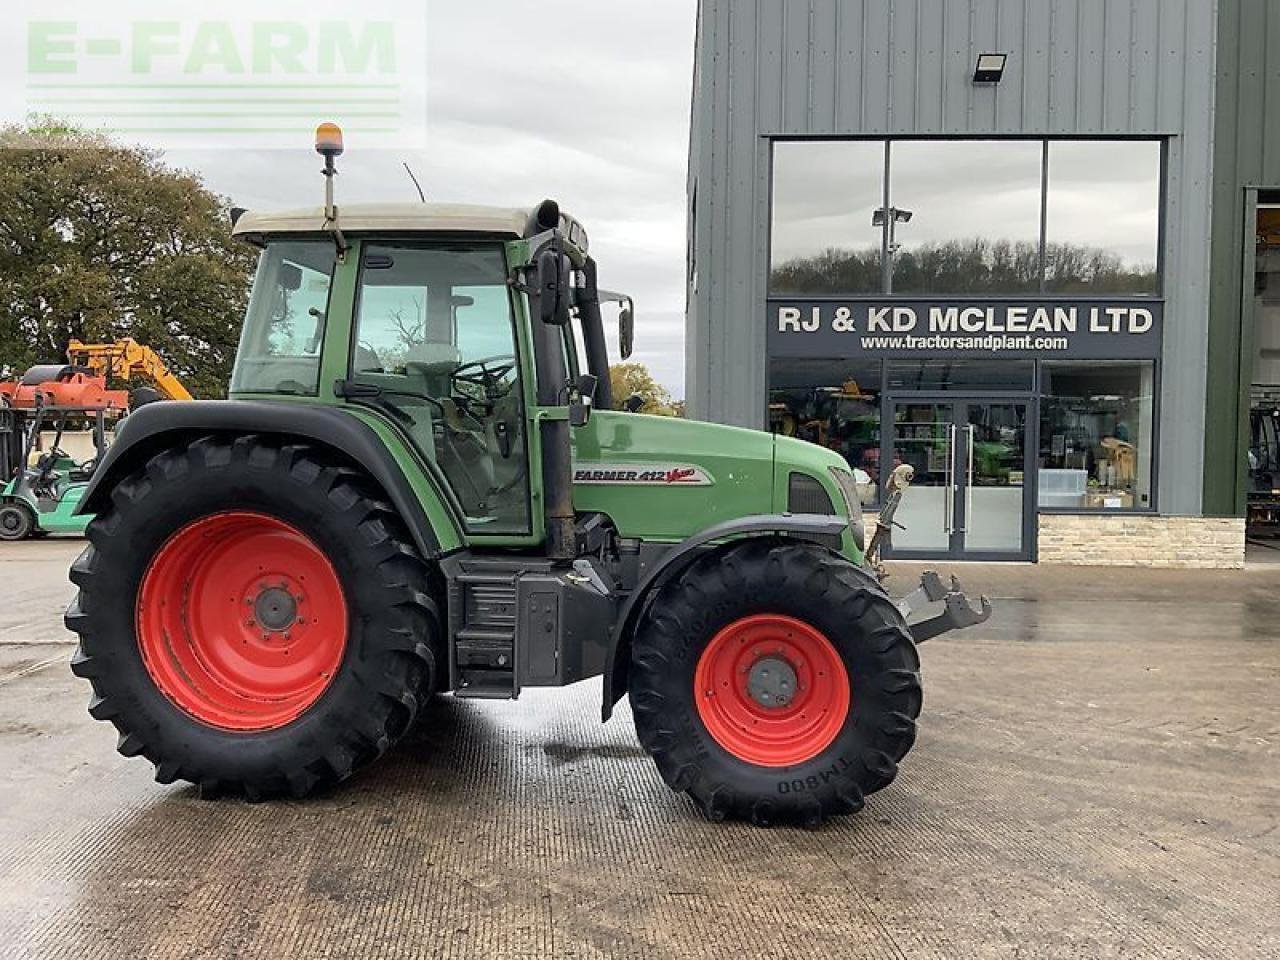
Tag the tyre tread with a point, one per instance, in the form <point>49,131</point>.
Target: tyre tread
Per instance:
<point>406,668</point>
<point>729,583</point>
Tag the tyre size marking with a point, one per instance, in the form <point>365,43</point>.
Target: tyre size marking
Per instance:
<point>814,780</point>
<point>642,474</point>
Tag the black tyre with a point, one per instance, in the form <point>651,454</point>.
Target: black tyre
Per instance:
<point>253,618</point>
<point>774,681</point>
<point>17,522</point>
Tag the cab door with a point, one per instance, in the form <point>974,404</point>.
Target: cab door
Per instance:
<point>435,332</point>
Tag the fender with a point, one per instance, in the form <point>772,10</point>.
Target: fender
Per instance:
<point>806,526</point>
<point>150,428</point>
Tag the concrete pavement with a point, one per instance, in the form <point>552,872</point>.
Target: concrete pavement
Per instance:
<point>1097,775</point>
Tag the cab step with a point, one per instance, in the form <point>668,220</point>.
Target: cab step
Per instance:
<point>485,684</point>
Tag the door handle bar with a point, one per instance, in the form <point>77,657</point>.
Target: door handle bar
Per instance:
<point>968,482</point>
<point>948,500</point>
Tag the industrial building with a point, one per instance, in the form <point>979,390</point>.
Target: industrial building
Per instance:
<point>1030,247</point>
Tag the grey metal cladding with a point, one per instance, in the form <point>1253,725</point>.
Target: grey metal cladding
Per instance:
<point>770,68</point>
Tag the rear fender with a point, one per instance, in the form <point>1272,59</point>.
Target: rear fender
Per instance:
<point>156,426</point>
<point>679,558</point>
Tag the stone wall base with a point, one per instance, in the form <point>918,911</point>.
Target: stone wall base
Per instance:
<point>1142,541</point>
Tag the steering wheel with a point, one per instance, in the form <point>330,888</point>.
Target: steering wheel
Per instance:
<point>45,465</point>
<point>488,374</point>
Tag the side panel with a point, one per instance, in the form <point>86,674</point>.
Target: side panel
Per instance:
<point>660,478</point>
<point>65,517</point>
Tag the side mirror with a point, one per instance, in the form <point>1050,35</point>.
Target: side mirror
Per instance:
<point>626,328</point>
<point>553,287</point>
<point>581,399</point>
<point>290,277</point>
<point>633,403</point>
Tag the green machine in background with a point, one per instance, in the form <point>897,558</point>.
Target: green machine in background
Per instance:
<point>44,497</point>
<point>420,485</point>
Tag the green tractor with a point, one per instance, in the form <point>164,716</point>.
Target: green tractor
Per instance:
<point>420,485</point>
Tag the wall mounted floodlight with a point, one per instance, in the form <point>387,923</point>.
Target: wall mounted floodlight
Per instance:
<point>990,68</point>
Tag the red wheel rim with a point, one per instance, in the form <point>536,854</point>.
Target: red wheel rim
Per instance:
<point>772,690</point>
<point>241,621</point>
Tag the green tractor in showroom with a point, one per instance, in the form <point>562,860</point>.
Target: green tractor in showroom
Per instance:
<point>419,485</point>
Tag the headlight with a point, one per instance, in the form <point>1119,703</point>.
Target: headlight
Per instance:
<point>853,503</point>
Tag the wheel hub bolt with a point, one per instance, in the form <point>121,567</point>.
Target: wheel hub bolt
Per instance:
<point>275,609</point>
<point>772,682</point>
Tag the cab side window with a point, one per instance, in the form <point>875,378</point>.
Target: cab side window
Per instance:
<point>435,330</point>
<point>284,327</point>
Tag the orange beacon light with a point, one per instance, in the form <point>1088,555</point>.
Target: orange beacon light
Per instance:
<point>329,139</point>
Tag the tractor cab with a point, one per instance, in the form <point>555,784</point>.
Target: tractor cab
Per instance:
<point>421,316</point>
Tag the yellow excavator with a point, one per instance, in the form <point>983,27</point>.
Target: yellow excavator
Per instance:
<point>128,360</point>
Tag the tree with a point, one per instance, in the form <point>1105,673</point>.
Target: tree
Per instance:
<point>973,266</point>
<point>632,377</point>
<point>99,241</point>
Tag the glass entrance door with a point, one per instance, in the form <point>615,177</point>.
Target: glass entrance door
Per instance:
<point>969,496</point>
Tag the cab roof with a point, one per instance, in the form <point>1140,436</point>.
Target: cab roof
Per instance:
<point>390,218</point>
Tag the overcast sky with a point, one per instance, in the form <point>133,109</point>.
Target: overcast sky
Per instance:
<point>587,103</point>
<point>1100,194</point>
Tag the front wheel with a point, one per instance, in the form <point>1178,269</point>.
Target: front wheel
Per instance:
<point>17,522</point>
<point>775,682</point>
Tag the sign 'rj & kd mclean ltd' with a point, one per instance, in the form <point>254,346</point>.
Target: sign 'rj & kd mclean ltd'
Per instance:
<point>1086,329</point>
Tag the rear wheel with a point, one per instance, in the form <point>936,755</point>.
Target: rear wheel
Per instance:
<point>774,681</point>
<point>17,522</point>
<point>253,618</point>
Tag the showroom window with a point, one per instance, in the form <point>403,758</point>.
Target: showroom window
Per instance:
<point>981,376</point>
<point>1102,234</point>
<point>1004,217</point>
<point>1096,435</point>
<point>825,194</point>
<point>833,403</point>
<point>974,208</point>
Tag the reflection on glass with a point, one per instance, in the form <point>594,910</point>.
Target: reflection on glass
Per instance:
<point>835,404</point>
<point>1266,292</point>
<point>1264,406</point>
<point>824,196</point>
<point>1103,227</point>
<point>1096,436</point>
<point>981,375</point>
<point>923,436</point>
<point>974,215</point>
<point>995,437</point>
<point>284,327</point>
<point>434,331</point>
